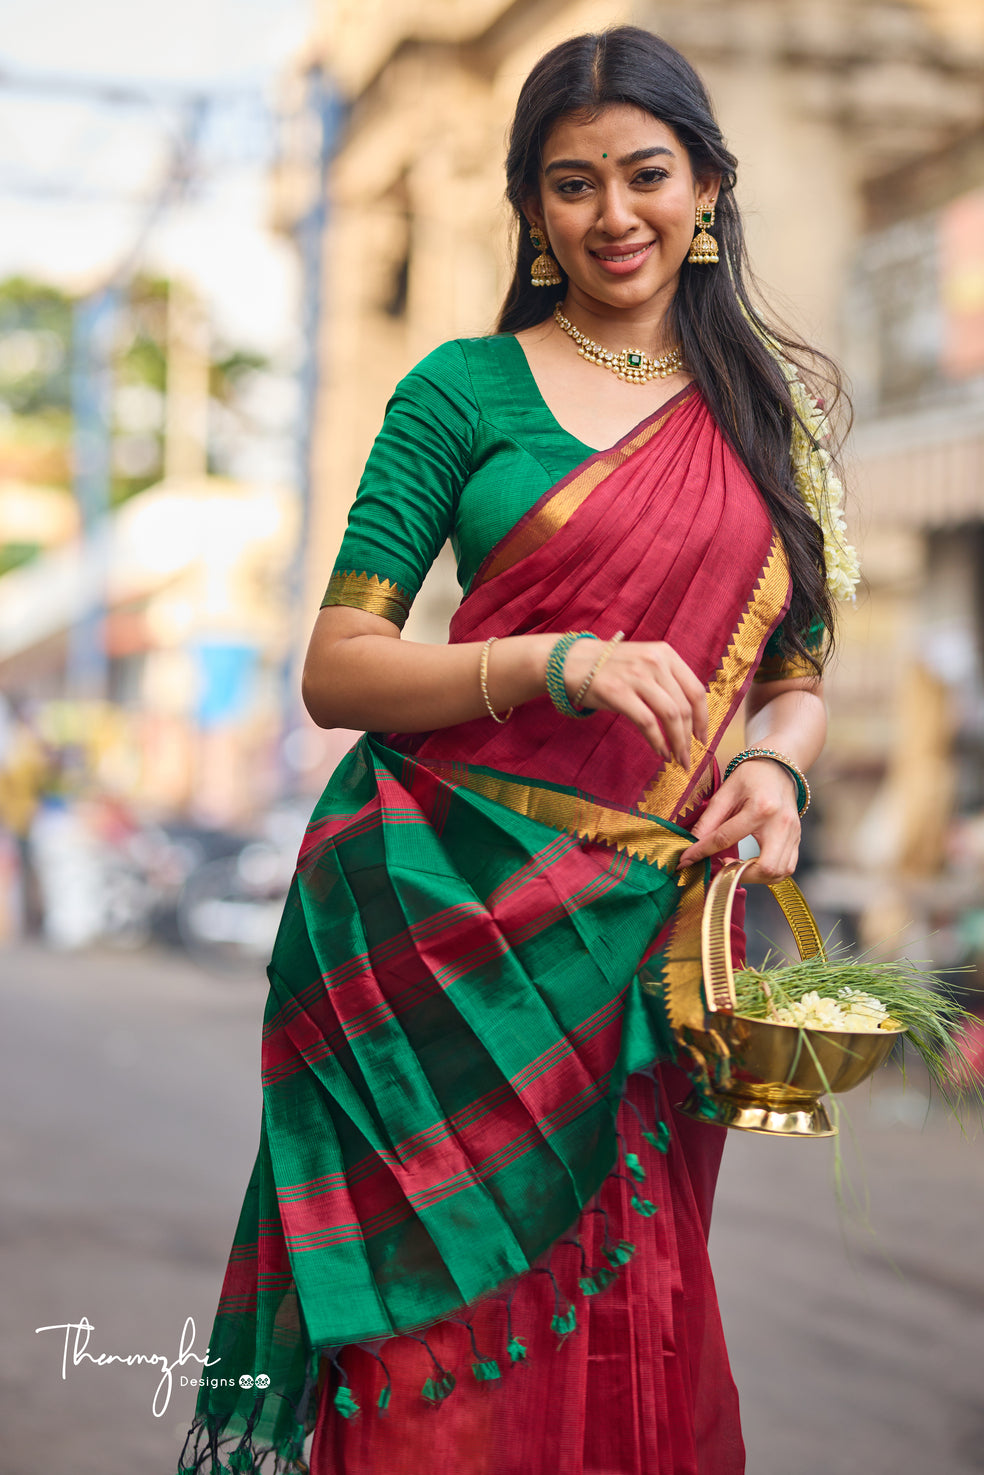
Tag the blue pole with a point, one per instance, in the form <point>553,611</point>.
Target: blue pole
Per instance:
<point>94,323</point>
<point>325,107</point>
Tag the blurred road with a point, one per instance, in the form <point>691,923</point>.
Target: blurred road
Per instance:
<point>130,1119</point>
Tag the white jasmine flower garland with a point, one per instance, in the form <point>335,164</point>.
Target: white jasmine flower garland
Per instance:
<point>858,1011</point>
<point>816,480</point>
<point>820,487</point>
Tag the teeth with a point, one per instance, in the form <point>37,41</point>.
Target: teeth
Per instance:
<point>627,256</point>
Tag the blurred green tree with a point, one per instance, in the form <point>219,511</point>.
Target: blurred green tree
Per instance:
<point>35,391</point>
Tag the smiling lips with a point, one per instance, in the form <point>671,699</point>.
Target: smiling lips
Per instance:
<point>620,260</point>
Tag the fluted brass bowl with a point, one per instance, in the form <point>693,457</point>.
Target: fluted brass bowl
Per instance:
<point>776,1084</point>
<point>772,1075</point>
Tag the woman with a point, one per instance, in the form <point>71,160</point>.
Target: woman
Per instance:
<point>475,1237</point>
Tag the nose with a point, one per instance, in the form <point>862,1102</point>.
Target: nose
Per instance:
<point>617,216</point>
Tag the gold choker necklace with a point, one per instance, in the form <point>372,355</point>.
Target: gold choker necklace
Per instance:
<point>631,364</point>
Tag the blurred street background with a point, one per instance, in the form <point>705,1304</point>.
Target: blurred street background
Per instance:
<point>229,227</point>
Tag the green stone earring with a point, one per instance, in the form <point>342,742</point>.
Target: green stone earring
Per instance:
<point>703,247</point>
<point>544,272</point>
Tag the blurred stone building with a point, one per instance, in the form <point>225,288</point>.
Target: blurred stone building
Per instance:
<point>857,124</point>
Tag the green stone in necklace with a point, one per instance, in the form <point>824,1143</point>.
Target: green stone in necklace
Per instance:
<point>632,365</point>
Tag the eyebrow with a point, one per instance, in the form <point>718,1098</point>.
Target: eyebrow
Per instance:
<point>634,158</point>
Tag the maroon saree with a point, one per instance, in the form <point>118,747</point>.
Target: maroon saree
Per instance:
<point>473,1213</point>
<point>666,538</point>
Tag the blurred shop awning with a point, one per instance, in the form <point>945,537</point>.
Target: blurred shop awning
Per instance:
<point>925,472</point>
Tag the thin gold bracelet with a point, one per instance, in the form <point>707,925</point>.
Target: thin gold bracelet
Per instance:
<point>609,646</point>
<point>483,676</point>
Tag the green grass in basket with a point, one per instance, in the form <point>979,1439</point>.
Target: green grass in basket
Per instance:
<point>915,998</point>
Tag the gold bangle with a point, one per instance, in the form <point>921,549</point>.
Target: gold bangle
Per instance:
<point>483,676</point>
<point>796,773</point>
<point>609,646</point>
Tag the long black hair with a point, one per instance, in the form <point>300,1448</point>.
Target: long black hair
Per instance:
<point>716,320</point>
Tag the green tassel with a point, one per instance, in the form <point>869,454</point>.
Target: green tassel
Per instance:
<point>620,1254</point>
<point>635,1167</point>
<point>643,1206</point>
<point>383,1401</point>
<point>345,1403</point>
<point>517,1350</point>
<point>486,1371</point>
<point>241,1459</point>
<point>660,1139</point>
<point>599,1279</point>
<point>564,1325</point>
<point>435,1390</point>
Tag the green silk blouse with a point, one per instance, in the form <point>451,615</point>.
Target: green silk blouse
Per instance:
<point>467,446</point>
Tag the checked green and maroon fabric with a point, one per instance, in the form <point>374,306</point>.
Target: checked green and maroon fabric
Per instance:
<point>457,992</point>
<point>440,1077</point>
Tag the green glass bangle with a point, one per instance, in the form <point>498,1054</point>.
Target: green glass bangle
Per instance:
<point>556,690</point>
<point>803,795</point>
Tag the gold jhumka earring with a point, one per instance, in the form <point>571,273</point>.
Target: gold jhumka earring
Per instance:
<point>544,272</point>
<point>703,247</point>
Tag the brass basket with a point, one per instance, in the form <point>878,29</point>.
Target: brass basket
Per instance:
<point>770,1080</point>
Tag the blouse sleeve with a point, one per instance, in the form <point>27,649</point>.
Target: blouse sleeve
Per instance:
<point>778,664</point>
<point>405,506</point>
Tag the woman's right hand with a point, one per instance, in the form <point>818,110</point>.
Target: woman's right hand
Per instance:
<point>647,682</point>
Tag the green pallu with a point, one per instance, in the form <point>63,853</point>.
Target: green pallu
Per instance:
<point>455,1006</point>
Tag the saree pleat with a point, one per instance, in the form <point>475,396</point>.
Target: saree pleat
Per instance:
<point>643,1385</point>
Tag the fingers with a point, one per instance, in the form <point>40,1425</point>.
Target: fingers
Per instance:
<point>753,804</point>
<point>721,837</point>
<point>656,689</point>
<point>675,678</point>
<point>697,697</point>
<point>776,860</point>
<point>640,712</point>
<point>772,871</point>
<point>675,716</point>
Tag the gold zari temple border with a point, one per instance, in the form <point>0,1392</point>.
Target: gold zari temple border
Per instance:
<point>642,838</point>
<point>368,592</point>
<point>665,794</point>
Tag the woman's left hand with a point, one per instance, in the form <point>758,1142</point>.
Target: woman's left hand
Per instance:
<point>758,799</point>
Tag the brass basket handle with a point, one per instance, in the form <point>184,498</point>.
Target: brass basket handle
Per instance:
<point>715,930</point>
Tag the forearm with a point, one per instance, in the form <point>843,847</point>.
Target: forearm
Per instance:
<point>380,683</point>
<point>359,674</point>
<point>792,720</point>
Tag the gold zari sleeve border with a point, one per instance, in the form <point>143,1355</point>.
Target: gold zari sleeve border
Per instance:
<point>785,668</point>
<point>369,592</point>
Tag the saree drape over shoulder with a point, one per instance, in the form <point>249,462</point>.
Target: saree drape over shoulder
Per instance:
<point>471,1210</point>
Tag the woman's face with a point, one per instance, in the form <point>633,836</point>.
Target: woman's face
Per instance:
<point>617,201</point>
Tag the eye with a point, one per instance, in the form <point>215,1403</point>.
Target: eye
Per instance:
<point>572,186</point>
<point>652,175</point>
